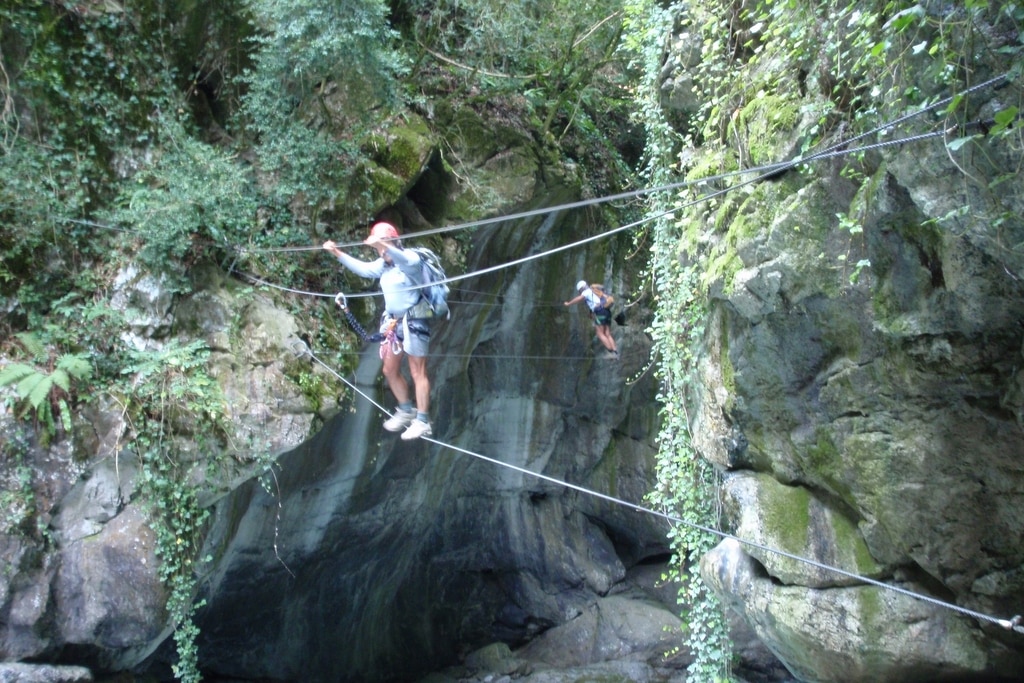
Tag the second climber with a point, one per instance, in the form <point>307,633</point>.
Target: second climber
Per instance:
<point>597,302</point>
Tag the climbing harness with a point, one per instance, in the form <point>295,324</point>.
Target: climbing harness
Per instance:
<point>388,339</point>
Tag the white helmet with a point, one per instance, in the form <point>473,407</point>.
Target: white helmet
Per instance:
<point>581,285</point>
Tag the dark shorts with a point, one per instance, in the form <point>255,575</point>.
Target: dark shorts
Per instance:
<point>602,316</point>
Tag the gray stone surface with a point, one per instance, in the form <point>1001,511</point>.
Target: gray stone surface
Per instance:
<point>853,634</point>
<point>874,423</point>
<point>392,547</point>
<point>43,673</point>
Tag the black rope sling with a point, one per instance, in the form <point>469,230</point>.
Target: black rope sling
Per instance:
<point>376,337</point>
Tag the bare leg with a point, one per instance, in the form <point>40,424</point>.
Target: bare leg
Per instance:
<point>393,374</point>
<point>604,335</point>
<point>418,370</point>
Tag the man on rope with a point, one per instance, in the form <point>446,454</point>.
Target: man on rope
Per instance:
<point>399,271</point>
<point>599,304</point>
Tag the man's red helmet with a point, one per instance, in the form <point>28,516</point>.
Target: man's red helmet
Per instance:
<point>384,231</point>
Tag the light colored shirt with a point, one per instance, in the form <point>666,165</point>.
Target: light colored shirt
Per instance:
<point>592,298</point>
<point>398,280</point>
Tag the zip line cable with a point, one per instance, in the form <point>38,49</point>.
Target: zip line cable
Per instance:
<point>839,149</point>
<point>94,224</point>
<point>834,152</point>
<point>519,261</point>
<point>482,271</point>
<point>1012,624</point>
<point>764,170</point>
<point>490,356</point>
<point>498,298</point>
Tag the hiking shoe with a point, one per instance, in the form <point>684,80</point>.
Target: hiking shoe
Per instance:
<point>400,420</point>
<point>417,429</point>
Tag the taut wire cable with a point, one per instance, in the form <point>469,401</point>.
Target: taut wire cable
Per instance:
<point>1012,624</point>
<point>482,271</point>
<point>839,149</point>
<point>764,170</point>
<point>489,356</point>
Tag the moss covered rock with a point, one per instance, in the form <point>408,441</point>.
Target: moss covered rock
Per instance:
<point>792,519</point>
<point>852,634</point>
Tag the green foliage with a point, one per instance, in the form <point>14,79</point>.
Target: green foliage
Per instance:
<point>567,70</point>
<point>17,494</point>
<point>172,381</point>
<point>179,522</point>
<point>855,229</point>
<point>79,73</point>
<point>192,200</point>
<point>177,412</point>
<point>76,88</point>
<point>646,26</point>
<point>851,61</point>
<point>687,485</point>
<point>34,187</point>
<point>165,394</point>
<point>45,391</point>
<point>309,43</point>
<point>324,74</point>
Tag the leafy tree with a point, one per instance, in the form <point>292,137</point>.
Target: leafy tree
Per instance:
<point>191,200</point>
<point>324,74</point>
<point>78,85</point>
<point>561,55</point>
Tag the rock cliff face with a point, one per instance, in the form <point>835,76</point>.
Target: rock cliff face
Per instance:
<point>876,425</point>
<point>870,424</point>
<point>363,557</point>
<point>86,588</point>
<point>377,548</point>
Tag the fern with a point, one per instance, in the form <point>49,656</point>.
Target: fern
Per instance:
<point>32,344</point>
<point>35,388</point>
<point>75,365</point>
<point>15,372</point>
<point>40,392</point>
